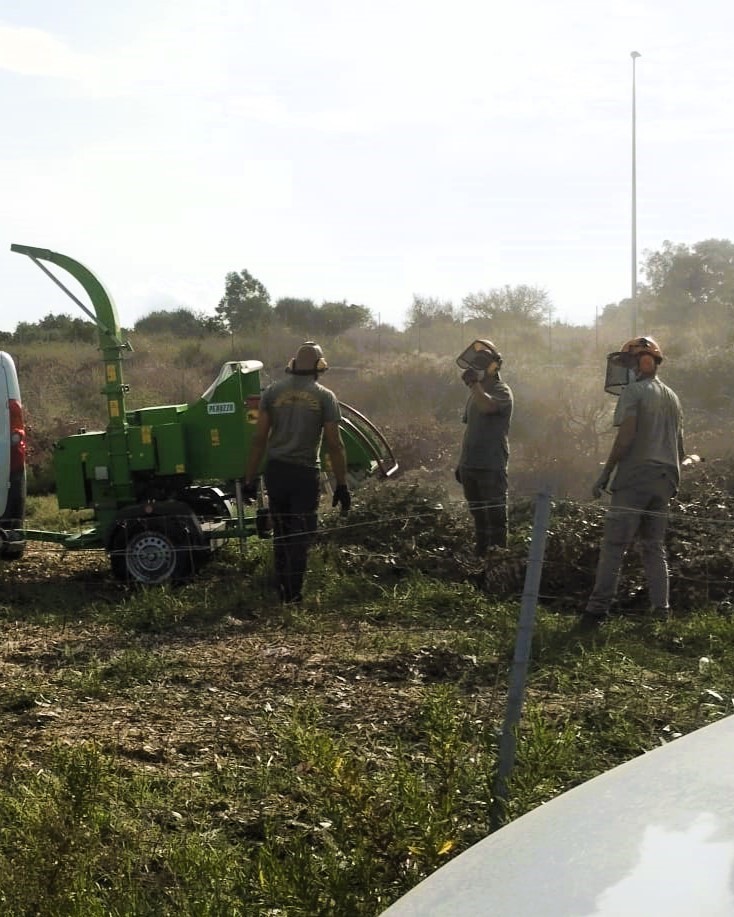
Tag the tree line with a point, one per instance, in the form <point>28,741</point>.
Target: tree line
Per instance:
<point>682,285</point>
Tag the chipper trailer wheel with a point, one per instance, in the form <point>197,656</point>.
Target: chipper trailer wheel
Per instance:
<point>152,551</point>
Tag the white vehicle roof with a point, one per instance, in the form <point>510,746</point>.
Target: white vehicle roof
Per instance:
<point>9,388</point>
<point>654,836</point>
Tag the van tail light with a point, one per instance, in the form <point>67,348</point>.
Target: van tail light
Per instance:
<point>17,436</point>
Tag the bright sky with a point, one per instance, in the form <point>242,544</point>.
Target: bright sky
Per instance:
<point>344,150</point>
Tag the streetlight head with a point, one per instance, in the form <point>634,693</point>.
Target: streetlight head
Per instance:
<point>635,54</point>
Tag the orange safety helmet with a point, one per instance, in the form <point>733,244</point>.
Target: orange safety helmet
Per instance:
<point>639,347</point>
<point>641,354</point>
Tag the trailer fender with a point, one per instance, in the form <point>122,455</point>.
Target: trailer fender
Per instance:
<point>129,516</point>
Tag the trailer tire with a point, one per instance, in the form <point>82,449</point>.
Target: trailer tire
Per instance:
<point>12,542</point>
<point>152,551</point>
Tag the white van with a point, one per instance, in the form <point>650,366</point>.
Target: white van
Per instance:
<point>651,838</point>
<point>12,461</point>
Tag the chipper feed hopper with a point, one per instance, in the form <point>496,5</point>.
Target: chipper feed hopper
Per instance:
<point>163,483</point>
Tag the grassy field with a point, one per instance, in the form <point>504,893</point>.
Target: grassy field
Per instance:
<point>201,750</point>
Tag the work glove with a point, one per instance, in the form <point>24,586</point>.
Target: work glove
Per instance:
<point>600,484</point>
<point>342,497</point>
<point>469,376</point>
<point>457,475</point>
<point>249,490</point>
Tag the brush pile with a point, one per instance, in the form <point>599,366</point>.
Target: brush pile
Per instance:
<point>412,526</point>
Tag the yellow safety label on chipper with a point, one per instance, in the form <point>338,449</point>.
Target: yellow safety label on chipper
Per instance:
<point>252,404</point>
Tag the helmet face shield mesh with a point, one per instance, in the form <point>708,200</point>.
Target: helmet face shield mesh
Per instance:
<point>483,359</point>
<point>479,356</point>
<point>620,372</point>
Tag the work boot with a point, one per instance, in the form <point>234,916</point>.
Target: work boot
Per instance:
<point>590,621</point>
<point>495,558</point>
<point>660,613</point>
<point>495,552</point>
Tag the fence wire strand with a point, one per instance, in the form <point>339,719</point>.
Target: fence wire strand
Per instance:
<point>354,535</point>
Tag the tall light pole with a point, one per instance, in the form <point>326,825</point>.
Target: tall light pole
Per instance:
<point>634,55</point>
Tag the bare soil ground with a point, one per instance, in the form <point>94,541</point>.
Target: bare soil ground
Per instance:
<point>78,662</point>
<point>187,697</point>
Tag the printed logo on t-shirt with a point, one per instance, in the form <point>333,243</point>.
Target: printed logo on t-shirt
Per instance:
<point>297,398</point>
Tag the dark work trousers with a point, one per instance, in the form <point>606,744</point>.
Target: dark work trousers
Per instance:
<point>293,495</point>
<point>486,493</point>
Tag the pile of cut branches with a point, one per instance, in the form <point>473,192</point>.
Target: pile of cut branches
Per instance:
<point>411,526</point>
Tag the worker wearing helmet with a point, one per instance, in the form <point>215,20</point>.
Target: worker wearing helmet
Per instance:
<point>295,414</point>
<point>485,448</point>
<point>642,472</point>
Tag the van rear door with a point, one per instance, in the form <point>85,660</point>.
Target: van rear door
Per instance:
<point>12,460</point>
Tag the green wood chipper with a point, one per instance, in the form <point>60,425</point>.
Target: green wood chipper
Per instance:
<point>163,483</point>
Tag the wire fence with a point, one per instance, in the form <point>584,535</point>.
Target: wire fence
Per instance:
<point>436,538</point>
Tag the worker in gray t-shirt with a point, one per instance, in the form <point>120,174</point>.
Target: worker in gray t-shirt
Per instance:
<point>485,448</point>
<point>294,415</point>
<point>644,470</point>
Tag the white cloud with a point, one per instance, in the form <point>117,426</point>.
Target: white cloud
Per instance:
<point>33,52</point>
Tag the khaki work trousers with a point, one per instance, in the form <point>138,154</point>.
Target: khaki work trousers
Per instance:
<point>635,512</point>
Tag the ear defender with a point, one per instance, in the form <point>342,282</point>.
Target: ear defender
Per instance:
<point>308,361</point>
<point>646,363</point>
